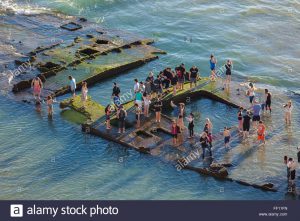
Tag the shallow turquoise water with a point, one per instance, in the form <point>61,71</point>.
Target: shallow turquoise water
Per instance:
<point>42,159</point>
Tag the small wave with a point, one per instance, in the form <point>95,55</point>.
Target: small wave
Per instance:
<point>249,11</point>
<point>9,6</point>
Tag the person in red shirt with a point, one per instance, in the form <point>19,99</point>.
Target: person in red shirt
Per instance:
<point>261,130</point>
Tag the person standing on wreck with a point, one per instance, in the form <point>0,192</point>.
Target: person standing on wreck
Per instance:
<point>84,93</point>
<point>116,90</point>
<point>288,112</point>
<point>136,86</point>
<point>190,119</point>
<point>251,93</point>
<point>204,145</point>
<point>174,131</point>
<point>193,76</point>
<point>121,115</point>
<point>72,85</point>
<point>208,127</point>
<point>213,63</point>
<point>180,76</point>
<point>37,86</point>
<point>228,67</point>
<point>158,109</point>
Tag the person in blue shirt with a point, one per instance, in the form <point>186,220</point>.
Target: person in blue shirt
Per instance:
<point>213,63</point>
<point>256,112</point>
<point>72,85</point>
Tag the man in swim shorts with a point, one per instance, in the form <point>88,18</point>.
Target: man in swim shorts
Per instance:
<point>226,135</point>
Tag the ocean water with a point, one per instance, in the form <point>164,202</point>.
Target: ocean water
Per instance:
<point>43,159</point>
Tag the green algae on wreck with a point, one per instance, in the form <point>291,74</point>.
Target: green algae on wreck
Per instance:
<point>73,116</point>
<point>58,52</point>
<point>91,109</point>
<point>204,87</point>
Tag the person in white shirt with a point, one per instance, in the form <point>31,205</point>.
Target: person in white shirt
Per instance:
<point>136,86</point>
<point>72,85</point>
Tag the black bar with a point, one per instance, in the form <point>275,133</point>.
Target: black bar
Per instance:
<point>155,210</point>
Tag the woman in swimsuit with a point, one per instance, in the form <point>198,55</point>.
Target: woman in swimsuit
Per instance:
<point>251,93</point>
<point>50,105</point>
<point>288,112</point>
<point>37,86</point>
<point>84,92</point>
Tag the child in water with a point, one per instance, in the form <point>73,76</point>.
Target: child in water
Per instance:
<point>50,105</point>
<point>261,130</point>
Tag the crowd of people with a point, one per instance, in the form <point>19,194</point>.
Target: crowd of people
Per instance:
<point>149,94</point>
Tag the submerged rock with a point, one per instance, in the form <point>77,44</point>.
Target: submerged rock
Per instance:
<point>45,67</point>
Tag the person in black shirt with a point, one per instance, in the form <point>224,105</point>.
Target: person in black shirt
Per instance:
<point>193,76</point>
<point>174,82</point>
<point>158,85</point>
<point>204,144</point>
<point>228,67</point>
<point>182,68</point>
<point>158,109</point>
<point>167,76</point>
<point>150,79</point>
<point>268,97</point>
<point>116,90</point>
<point>246,124</point>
